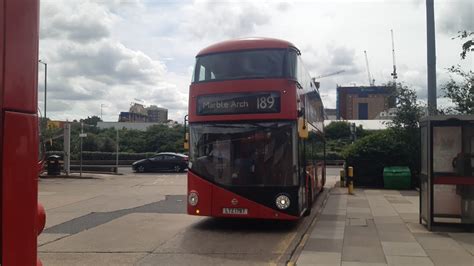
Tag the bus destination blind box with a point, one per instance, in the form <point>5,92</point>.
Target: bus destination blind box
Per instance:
<point>239,103</point>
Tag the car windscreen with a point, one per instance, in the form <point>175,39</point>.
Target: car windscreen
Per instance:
<point>244,154</point>
<point>264,63</point>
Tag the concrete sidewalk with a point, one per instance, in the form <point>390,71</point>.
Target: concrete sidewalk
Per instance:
<point>380,227</point>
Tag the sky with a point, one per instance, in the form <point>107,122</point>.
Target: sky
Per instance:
<point>117,52</point>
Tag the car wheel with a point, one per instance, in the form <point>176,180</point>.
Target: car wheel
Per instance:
<point>177,168</point>
<point>141,169</point>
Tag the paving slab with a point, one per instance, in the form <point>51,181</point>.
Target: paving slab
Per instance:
<point>439,242</point>
<point>450,257</point>
<point>403,249</point>
<point>363,254</point>
<point>417,228</point>
<point>331,217</point>
<point>396,237</point>
<point>466,240</point>
<point>410,217</point>
<point>358,210</point>
<point>406,208</point>
<point>358,203</point>
<point>402,228</point>
<point>206,259</point>
<point>408,261</point>
<point>354,263</point>
<point>388,220</point>
<point>326,245</point>
<point>319,258</point>
<point>323,233</point>
<point>72,259</point>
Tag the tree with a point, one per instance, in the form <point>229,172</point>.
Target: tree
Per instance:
<point>338,130</point>
<point>406,124</point>
<point>409,111</point>
<point>92,120</point>
<point>460,87</point>
<point>466,46</point>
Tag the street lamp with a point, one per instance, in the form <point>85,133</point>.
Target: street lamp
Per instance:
<point>101,105</point>
<point>45,86</point>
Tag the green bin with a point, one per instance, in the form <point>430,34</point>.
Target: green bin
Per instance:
<point>397,177</point>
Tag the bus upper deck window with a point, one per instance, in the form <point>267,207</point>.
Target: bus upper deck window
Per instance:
<point>202,73</point>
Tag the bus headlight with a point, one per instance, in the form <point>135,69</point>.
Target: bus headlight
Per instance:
<point>193,198</point>
<point>282,202</point>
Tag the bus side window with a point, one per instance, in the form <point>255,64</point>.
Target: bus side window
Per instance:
<point>202,73</point>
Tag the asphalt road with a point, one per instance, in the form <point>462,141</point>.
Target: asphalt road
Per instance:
<point>139,219</point>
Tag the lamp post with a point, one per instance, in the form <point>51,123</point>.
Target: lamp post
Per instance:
<point>431,57</point>
<point>101,106</point>
<point>45,87</point>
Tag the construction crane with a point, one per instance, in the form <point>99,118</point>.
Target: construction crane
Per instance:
<point>328,75</point>
<point>394,73</point>
<point>371,80</point>
<point>317,84</point>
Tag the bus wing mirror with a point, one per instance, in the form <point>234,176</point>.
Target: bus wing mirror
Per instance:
<point>303,128</point>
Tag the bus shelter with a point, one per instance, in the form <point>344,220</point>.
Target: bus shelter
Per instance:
<point>447,171</point>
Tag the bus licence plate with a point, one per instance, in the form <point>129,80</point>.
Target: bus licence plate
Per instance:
<point>240,211</point>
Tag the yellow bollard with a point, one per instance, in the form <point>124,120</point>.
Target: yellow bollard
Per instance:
<point>341,180</point>
<point>350,180</point>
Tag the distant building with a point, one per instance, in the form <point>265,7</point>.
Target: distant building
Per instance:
<point>140,113</point>
<point>132,117</point>
<point>331,114</point>
<point>137,108</point>
<point>387,114</point>
<point>128,125</point>
<point>363,103</point>
<point>157,114</point>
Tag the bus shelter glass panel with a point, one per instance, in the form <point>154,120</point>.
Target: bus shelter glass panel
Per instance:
<point>447,170</point>
<point>447,144</point>
<point>424,185</point>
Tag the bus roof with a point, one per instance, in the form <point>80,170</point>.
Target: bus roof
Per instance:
<point>245,44</point>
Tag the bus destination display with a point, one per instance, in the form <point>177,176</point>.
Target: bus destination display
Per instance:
<point>239,103</point>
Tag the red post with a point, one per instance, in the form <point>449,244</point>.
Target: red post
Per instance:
<point>19,36</point>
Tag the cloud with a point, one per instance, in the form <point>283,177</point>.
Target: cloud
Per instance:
<point>87,66</point>
<point>217,19</point>
<point>110,52</point>
<point>110,62</point>
<point>82,22</point>
<point>456,16</point>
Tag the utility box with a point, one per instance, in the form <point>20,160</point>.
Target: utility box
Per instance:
<point>447,171</point>
<point>397,177</point>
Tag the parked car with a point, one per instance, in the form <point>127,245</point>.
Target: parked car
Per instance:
<point>164,161</point>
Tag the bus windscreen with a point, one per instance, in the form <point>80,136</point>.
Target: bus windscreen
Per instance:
<point>244,154</point>
<point>267,63</point>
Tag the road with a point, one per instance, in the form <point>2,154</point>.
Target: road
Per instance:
<point>139,219</point>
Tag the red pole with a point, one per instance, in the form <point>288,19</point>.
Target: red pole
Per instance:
<point>19,141</point>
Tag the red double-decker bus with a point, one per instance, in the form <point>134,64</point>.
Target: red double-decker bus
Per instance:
<point>255,127</point>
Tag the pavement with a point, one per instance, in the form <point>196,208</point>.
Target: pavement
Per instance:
<point>380,227</point>
<point>140,219</point>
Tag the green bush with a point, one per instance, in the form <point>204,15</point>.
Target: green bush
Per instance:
<point>370,154</point>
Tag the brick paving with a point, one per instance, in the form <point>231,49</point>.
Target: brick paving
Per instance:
<point>380,227</point>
